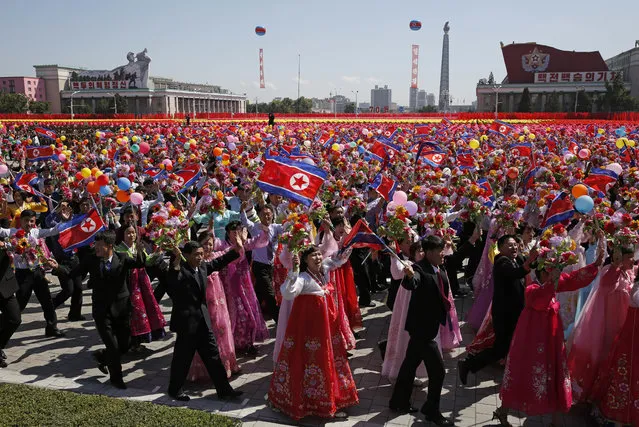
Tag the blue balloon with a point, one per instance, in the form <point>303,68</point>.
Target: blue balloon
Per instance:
<point>124,184</point>
<point>105,190</point>
<point>584,204</point>
<point>361,149</point>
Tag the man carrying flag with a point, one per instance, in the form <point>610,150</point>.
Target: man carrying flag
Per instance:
<point>560,209</point>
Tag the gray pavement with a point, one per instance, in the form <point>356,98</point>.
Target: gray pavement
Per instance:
<point>66,363</point>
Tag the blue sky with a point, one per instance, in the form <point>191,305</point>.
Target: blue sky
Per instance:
<point>347,45</point>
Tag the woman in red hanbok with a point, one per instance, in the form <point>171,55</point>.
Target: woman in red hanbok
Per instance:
<point>600,322</point>
<point>147,321</point>
<point>536,379</point>
<point>312,375</point>
<point>616,391</point>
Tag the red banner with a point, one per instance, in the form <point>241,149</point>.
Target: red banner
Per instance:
<point>413,77</point>
<point>113,84</point>
<point>262,86</point>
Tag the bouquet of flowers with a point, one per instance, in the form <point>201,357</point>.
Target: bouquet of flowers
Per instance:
<point>168,227</point>
<point>473,198</point>
<point>434,223</point>
<point>212,202</point>
<point>22,243</point>
<point>317,211</point>
<point>296,235</point>
<point>510,213</point>
<point>356,206</point>
<point>397,226</point>
<point>557,249</point>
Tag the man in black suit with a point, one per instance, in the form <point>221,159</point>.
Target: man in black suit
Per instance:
<point>111,306</point>
<point>427,310</point>
<point>9,306</point>
<point>508,303</point>
<point>186,285</point>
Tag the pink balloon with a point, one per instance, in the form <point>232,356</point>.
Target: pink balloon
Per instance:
<point>62,157</point>
<point>411,207</point>
<point>167,162</point>
<point>400,198</point>
<point>583,154</point>
<point>3,169</point>
<point>391,206</point>
<point>136,198</point>
<point>144,147</point>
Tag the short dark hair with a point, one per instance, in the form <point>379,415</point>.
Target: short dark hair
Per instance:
<point>232,226</point>
<point>27,213</point>
<point>433,243</point>
<point>626,249</point>
<point>204,236</point>
<point>266,206</point>
<point>107,236</point>
<point>128,209</point>
<point>503,239</point>
<point>191,246</point>
<point>306,252</point>
<point>49,181</point>
<point>413,249</point>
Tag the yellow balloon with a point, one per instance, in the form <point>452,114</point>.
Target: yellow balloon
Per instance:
<point>134,138</point>
<point>104,152</point>
<point>86,172</point>
<point>600,131</point>
<point>631,143</point>
<point>98,173</point>
<point>620,143</point>
<point>474,144</point>
<point>63,138</point>
<point>335,147</point>
<point>531,136</point>
<point>521,138</point>
<point>97,134</point>
<point>483,138</point>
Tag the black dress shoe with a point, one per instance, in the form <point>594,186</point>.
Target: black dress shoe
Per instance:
<point>54,333</point>
<point>102,366</point>
<point>437,418</point>
<point>3,355</point>
<point>403,409</point>
<point>462,370</point>
<point>369,305</point>
<point>232,395</point>
<point>3,363</point>
<point>461,293</point>
<point>181,396</point>
<point>118,383</point>
<point>76,318</point>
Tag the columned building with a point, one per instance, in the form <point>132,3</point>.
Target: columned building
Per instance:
<point>68,87</point>
<point>546,72</point>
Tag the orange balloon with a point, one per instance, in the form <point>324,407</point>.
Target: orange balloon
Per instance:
<point>217,151</point>
<point>579,190</point>
<point>122,196</point>
<point>93,187</point>
<point>94,170</point>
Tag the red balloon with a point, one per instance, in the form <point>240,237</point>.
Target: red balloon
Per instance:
<point>512,173</point>
<point>102,180</point>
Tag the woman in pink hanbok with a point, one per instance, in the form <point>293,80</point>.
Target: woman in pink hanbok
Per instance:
<point>220,321</point>
<point>247,322</point>
<point>601,320</point>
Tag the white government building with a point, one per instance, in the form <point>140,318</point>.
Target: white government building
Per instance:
<point>66,87</point>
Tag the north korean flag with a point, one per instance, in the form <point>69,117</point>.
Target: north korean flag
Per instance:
<point>47,133</point>
<point>552,145</point>
<point>384,186</point>
<point>560,209</point>
<point>501,128</point>
<point>387,143</point>
<point>422,131</point>
<point>325,139</point>
<point>530,177</point>
<point>600,179</point>
<point>37,153</point>
<point>391,132</point>
<point>523,149</point>
<point>156,173</point>
<point>573,147</point>
<point>433,158</point>
<point>361,236</point>
<point>465,159</point>
<point>26,181</point>
<point>80,231</point>
<point>488,191</point>
<point>297,181</point>
<point>187,177</point>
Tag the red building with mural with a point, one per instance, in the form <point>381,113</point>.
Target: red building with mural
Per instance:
<point>557,80</point>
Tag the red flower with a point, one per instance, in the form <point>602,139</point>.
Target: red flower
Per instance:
<point>545,243</point>
<point>609,227</point>
<point>297,226</point>
<point>558,229</point>
<point>626,219</point>
<point>521,203</point>
<point>20,233</point>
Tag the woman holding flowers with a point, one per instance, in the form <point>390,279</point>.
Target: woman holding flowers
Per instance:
<point>536,379</point>
<point>312,375</point>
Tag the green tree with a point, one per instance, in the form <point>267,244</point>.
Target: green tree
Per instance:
<point>584,102</point>
<point>428,109</point>
<point>13,103</point>
<point>349,108</point>
<point>38,107</point>
<point>123,105</point>
<point>524,103</point>
<point>491,79</point>
<point>303,105</point>
<point>552,103</point>
<point>104,106</point>
<point>617,97</point>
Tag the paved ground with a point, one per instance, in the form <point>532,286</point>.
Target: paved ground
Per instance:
<point>67,364</point>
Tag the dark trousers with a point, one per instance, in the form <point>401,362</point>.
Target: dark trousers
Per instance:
<point>10,319</point>
<point>453,265</point>
<point>71,287</point>
<point>420,350</point>
<point>160,289</point>
<point>504,331</point>
<point>34,282</point>
<point>361,277</point>
<point>202,341</point>
<point>264,288</point>
<point>113,327</point>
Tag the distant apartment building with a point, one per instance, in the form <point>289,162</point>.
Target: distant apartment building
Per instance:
<point>32,87</point>
<point>381,98</point>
